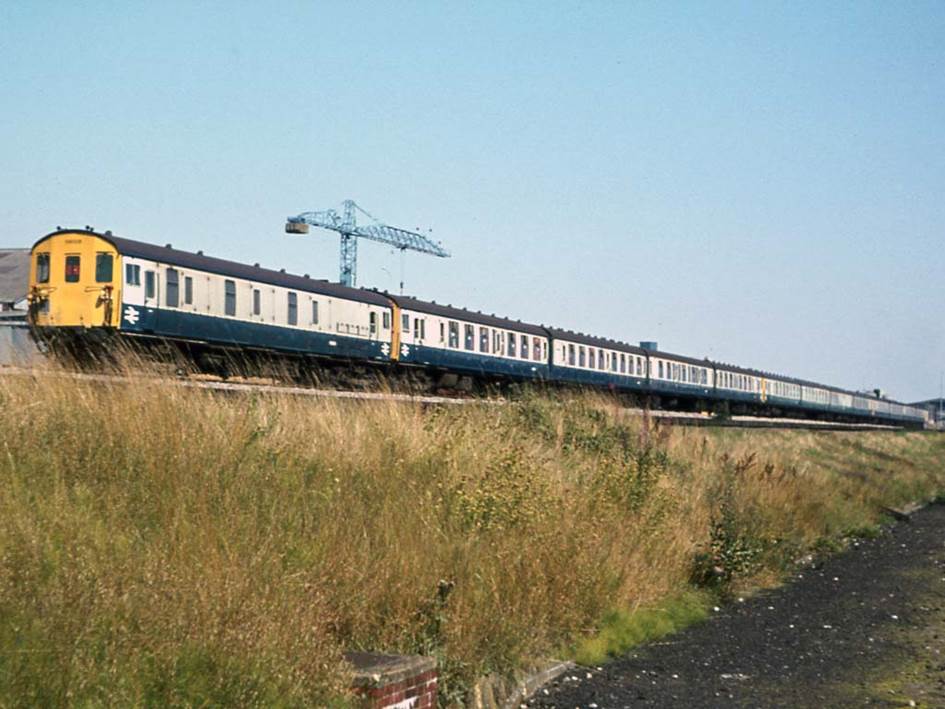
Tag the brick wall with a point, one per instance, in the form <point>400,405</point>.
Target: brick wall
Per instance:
<point>394,681</point>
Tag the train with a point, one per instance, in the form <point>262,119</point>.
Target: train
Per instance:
<point>89,291</point>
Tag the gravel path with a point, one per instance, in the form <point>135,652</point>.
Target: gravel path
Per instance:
<point>865,628</point>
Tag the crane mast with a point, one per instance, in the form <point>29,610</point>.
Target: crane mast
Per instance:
<point>345,223</point>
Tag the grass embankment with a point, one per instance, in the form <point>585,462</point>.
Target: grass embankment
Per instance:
<point>169,546</point>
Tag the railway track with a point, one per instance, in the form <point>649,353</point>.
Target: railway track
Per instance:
<point>682,418</point>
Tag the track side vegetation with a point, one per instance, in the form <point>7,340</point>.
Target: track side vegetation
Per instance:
<point>171,546</point>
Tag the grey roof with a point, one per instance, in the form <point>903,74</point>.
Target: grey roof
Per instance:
<point>14,274</point>
<point>929,402</point>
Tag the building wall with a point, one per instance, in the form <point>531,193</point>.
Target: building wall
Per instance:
<point>17,348</point>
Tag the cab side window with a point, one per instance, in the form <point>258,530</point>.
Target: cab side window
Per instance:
<point>103,268</point>
<point>42,268</point>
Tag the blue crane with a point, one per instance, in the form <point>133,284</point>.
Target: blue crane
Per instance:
<point>346,224</point>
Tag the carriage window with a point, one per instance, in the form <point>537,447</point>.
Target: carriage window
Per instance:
<point>661,370</point>
<point>257,301</point>
<point>172,291</point>
<point>523,346</point>
<point>512,340</point>
<point>454,335</point>
<point>372,322</point>
<point>149,284</point>
<point>405,322</point>
<point>571,354</point>
<point>229,297</point>
<point>442,333</point>
<point>623,364</point>
<point>188,290</point>
<point>293,309</point>
<point>613,362</point>
<point>581,356</point>
<point>314,312</point>
<point>132,274</point>
<point>483,339</point>
<point>385,320</point>
<point>600,359</point>
<point>536,349</point>
<point>42,268</point>
<point>103,268</point>
<point>470,337</point>
<point>72,268</point>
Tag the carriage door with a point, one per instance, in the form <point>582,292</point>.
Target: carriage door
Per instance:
<point>152,294</point>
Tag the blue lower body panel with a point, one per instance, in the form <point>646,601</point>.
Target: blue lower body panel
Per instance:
<point>172,324</point>
<point>610,380</point>
<point>470,362</point>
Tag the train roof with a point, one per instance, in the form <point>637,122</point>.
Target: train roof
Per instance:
<point>198,261</point>
<point>448,311</point>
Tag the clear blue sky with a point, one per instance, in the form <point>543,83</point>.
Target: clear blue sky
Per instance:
<point>763,183</point>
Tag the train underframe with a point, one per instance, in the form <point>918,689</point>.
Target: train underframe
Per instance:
<point>111,350</point>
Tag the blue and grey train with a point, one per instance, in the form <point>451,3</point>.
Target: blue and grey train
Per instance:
<point>88,288</point>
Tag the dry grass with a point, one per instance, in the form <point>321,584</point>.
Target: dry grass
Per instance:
<point>168,546</point>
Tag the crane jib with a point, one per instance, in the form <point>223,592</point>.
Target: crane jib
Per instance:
<point>346,225</point>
